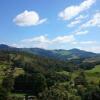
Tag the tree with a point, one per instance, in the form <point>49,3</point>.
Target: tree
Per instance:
<point>73,97</point>
<point>30,83</point>
<point>55,92</point>
<point>8,83</point>
<point>81,79</point>
<point>3,94</point>
<point>92,94</point>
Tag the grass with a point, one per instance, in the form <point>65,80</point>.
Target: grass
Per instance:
<point>93,74</point>
<point>94,70</point>
<point>63,72</point>
<point>18,71</point>
<point>18,94</point>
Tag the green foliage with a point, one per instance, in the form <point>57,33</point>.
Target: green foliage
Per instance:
<point>93,74</point>
<point>30,83</point>
<point>54,78</point>
<point>8,83</point>
<point>96,69</point>
<point>73,97</point>
<point>55,92</point>
<point>92,94</point>
<point>47,79</point>
<point>81,79</point>
<point>3,93</point>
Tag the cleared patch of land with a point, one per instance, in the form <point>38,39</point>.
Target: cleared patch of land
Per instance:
<point>93,74</point>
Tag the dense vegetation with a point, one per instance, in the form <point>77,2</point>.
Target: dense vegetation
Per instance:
<point>24,75</point>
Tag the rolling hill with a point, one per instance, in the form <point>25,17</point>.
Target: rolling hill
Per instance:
<point>59,54</point>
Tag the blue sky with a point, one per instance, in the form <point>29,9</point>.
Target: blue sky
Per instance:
<point>51,24</point>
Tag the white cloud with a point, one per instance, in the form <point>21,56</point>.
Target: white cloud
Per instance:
<point>40,39</point>
<point>28,18</point>
<point>64,39</point>
<point>80,17</point>
<point>72,11</point>
<point>73,23</point>
<point>88,42</point>
<point>91,46</point>
<point>42,21</point>
<point>81,32</point>
<point>95,21</point>
<point>77,20</point>
<point>58,42</point>
<point>95,49</point>
<point>45,39</point>
<point>84,43</point>
<point>44,42</point>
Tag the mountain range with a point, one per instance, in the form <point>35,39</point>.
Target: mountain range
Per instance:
<point>60,54</point>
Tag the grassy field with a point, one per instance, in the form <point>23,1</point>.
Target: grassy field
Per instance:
<point>94,70</point>
<point>18,71</point>
<point>63,72</point>
<point>93,74</point>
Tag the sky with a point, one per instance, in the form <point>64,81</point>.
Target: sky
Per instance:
<point>51,24</point>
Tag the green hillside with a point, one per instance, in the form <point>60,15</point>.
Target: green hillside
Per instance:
<point>94,74</point>
<point>23,75</point>
<point>96,69</point>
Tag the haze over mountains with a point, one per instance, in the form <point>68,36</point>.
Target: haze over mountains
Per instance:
<point>60,54</point>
